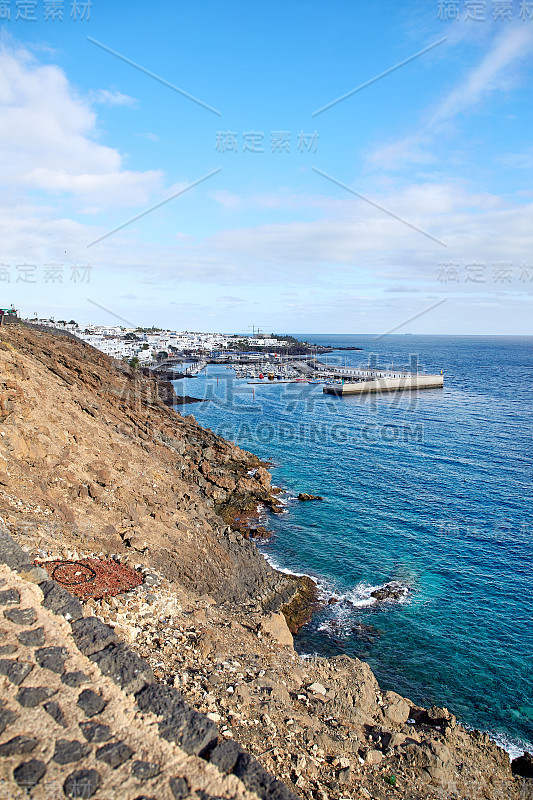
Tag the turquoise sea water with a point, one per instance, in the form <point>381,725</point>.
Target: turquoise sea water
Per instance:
<point>431,489</point>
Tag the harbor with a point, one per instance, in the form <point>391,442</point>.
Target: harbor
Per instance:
<point>338,381</point>
<point>273,369</point>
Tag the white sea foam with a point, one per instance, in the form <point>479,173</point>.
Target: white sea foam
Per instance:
<point>342,617</point>
<point>358,597</point>
<point>341,624</point>
<point>361,595</point>
<point>324,590</point>
<point>514,747</point>
<point>286,571</point>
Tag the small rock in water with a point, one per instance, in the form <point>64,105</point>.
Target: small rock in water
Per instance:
<point>390,591</point>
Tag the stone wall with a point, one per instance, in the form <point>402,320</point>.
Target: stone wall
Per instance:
<point>82,713</point>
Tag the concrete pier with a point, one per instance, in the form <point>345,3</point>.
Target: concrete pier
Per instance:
<point>384,383</point>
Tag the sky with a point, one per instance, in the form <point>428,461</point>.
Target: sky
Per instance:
<point>333,167</point>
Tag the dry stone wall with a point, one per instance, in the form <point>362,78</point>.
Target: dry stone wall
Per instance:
<point>82,715</point>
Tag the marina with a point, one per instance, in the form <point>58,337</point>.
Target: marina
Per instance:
<point>338,381</point>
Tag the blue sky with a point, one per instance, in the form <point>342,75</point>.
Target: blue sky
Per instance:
<point>410,191</point>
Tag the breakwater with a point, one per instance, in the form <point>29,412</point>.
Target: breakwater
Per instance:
<point>381,384</point>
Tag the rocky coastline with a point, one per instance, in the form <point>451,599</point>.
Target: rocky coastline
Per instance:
<point>95,464</point>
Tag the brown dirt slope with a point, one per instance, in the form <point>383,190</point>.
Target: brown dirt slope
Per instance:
<point>90,455</point>
<point>92,464</point>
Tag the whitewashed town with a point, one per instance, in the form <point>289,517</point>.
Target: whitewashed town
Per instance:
<point>260,357</point>
<point>150,345</point>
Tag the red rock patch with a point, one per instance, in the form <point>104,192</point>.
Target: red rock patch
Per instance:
<point>91,577</point>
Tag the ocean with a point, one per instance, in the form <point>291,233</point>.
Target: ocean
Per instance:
<point>432,490</point>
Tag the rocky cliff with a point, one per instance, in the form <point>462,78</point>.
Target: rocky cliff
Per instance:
<point>93,463</point>
<point>90,450</point>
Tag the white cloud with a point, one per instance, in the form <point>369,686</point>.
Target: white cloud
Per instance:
<point>106,97</point>
<point>49,142</point>
<point>151,137</point>
<point>282,199</point>
<point>48,139</point>
<point>517,160</point>
<point>229,300</point>
<point>493,73</point>
<point>360,245</point>
<point>227,199</point>
<point>488,76</point>
<point>401,289</point>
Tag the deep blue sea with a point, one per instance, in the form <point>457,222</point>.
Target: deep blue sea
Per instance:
<point>432,489</point>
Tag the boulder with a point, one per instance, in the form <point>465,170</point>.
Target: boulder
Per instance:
<point>373,757</point>
<point>523,766</point>
<point>224,482</point>
<point>317,688</point>
<point>263,476</point>
<point>396,709</point>
<point>276,626</point>
<point>441,717</point>
<point>306,497</point>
